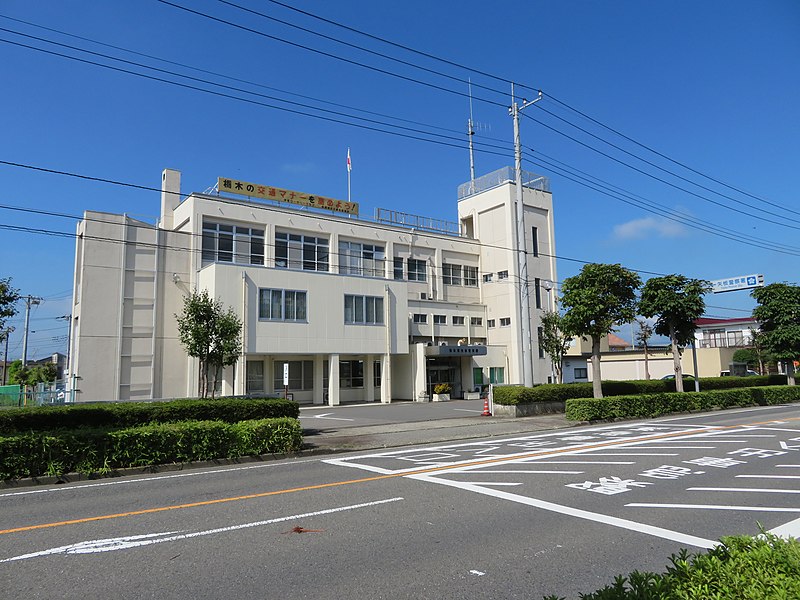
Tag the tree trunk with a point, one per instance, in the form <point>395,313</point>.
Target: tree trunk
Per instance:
<point>676,359</point>
<point>790,372</point>
<point>646,363</point>
<point>597,384</point>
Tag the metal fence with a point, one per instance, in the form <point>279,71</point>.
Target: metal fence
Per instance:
<point>43,394</point>
<point>501,176</point>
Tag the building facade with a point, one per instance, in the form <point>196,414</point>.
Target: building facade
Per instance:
<point>359,310</point>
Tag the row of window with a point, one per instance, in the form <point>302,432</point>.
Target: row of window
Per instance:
<point>422,318</point>
<point>244,245</point>
<point>301,375</point>
<point>504,322</point>
<point>291,305</point>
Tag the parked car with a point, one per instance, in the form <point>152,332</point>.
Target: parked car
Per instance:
<point>671,376</point>
<point>749,373</point>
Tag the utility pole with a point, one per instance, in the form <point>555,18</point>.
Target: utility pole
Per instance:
<point>6,335</point>
<point>29,301</point>
<point>519,246</point>
<point>68,319</point>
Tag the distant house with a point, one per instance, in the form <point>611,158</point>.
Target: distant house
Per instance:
<point>725,333</point>
<point>58,359</point>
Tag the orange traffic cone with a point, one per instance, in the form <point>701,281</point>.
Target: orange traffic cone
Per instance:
<point>486,412</point>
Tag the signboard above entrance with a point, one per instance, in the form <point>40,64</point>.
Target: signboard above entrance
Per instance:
<point>740,282</point>
<point>455,351</point>
<point>266,192</point>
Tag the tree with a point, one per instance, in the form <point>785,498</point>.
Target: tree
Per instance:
<point>596,299</point>
<point>778,311</point>
<point>8,297</point>
<point>677,302</point>
<point>554,341</point>
<point>749,356</point>
<point>210,333</point>
<point>643,335</point>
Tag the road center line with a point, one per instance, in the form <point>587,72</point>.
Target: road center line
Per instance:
<point>757,490</point>
<point>390,475</point>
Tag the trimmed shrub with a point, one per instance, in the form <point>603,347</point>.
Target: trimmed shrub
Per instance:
<point>131,414</point>
<point>756,568</point>
<point>86,450</point>
<point>655,405</point>
<point>512,395</point>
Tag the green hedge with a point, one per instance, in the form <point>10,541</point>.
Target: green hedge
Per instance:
<point>756,568</point>
<point>100,450</point>
<point>655,405</point>
<point>131,414</point>
<point>511,395</point>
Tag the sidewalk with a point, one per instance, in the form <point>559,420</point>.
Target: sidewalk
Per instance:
<point>426,432</point>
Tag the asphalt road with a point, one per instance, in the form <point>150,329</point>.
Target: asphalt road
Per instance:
<point>538,513</point>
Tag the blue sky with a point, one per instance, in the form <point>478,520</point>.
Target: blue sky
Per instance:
<point>712,85</point>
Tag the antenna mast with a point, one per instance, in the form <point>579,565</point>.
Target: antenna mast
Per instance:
<point>470,133</point>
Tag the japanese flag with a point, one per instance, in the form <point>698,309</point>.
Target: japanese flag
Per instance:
<point>349,164</point>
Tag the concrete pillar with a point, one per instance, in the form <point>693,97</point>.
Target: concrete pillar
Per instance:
<point>333,254</point>
<point>419,372</point>
<point>333,380</point>
<point>319,390</point>
<point>386,378</point>
<point>369,378</point>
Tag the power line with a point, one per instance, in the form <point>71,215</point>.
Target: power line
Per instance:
<point>660,168</point>
<point>664,181</point>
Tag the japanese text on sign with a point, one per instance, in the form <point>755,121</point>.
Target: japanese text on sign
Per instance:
<point>266,192</point>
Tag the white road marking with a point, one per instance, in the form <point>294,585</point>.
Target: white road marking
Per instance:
<point>713,507</point>
<point>768,476</point>
<point>327,418</point>
<point>135,541</point>
<point>788,466</point>
<point>790,529</point>
<point>757,490</point>
<point>676,447</point>
<point>478,573</point>
<point>497,483</point>
<point>591,462</point>
<point>515,472</point>
<point>633,454</point>
<point>675,536</point>
<point>468,410</point>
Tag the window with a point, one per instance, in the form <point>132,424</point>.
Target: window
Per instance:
<point>540,334</point>
<point>477,376</point>
<point>351,373</point>
<point>476,321</point>
<point>255,377</point>
<point>363,310</point>
<point>505,322</point>
<point>497,375</point>
<point>296,251</point>
<point>398,268</point>
<point>440,319</point>
<point>232,244</point>
<point>502,274</point>
<point>490,323</point>
<point>281,305</point>
<point>470,276</point>
<point>451,274</point>
<point>458,320</point>
<point>376,373</point>
<point>537,285</point>
<point>366,260</point>
<point>535,241</point>
<point>487,277</point>
<point>420,318</point>
<point>581,372</point>
<point>416,270</point>
<point>301,374</point>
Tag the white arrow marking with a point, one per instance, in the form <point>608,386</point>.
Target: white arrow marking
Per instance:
<point>786,446</point>
<point>325,416</point>
<point>134,541</point>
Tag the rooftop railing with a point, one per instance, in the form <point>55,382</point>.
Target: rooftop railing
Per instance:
<point>499,177</point>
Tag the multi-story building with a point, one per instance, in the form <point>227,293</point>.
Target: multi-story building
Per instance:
<point>359,309</point>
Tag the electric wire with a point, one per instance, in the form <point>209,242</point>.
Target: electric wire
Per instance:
<point>650,175</point>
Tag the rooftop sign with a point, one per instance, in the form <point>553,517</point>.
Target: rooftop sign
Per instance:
<point>255,190</point>
<point>740,282</point>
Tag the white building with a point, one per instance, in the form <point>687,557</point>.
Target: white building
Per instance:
<point>361,310</point>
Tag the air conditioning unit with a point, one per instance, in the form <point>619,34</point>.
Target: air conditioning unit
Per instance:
<point>443,343</point>
<point>429,343</point>
<point>479,344</point>
<point>423,296</point>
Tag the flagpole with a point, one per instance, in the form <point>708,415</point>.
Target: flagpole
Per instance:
<point>348,175</point>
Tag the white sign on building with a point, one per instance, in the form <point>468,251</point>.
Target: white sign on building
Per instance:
<point>740,282</point>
